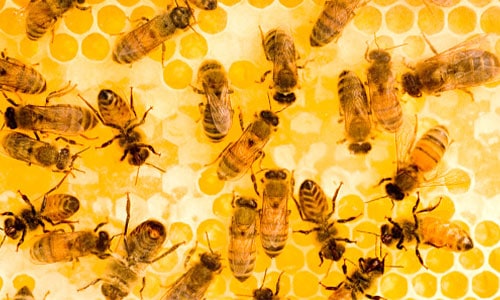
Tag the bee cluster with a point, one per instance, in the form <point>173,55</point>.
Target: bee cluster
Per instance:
<point>248,181</point>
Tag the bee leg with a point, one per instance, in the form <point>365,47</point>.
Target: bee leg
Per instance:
<point>220,155</point>
<point>143,120</point>
<point>61,92</point>
<point>89,284</point>
<point>69,141</point>
<point>21,240</point>
<point>190,254</point>
<point>254,181</point>
<point>169,250</point>
<point>307,231</point>
<point>384,180</point>
<point>143,286</point>
<point>374,297</point>
<point>109,142</point>
<point>163,49</point>
<point>278,284</point>
<point>3,240</point>
<point>332,288</point>
<point>334,199</point>
<point>240,116</point>
<point>263,77</point>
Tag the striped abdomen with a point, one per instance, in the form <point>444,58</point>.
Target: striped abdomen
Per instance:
<point>430,148</point>
<point>15,76</point>
<point>313,202</point>
<point>145,240</point>
<point>59,207</point>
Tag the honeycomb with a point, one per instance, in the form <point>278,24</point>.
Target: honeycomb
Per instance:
<point>189,198</point>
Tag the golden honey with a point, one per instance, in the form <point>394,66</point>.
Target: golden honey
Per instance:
<point>190,200</point>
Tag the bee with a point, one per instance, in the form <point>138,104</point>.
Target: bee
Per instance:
<point>18,77</point>
<point>25,148</point>
<point>195,282</point>
<point>242,248</point>
<point>55,209</point>
<point>239,156</point>
<point>58,246</point>
<point>384,99</point>
<point>116,113</point>
<point>428,230</point>
<point>423,157</point>
<point>142,245</point>
<point>332,20</point>
<point>205,4</point>
<point>217,112</point>
<point>279,48</point>
<point>313,207</point>
<point>64,119</point>
<point>140,41</point>
<point>263,293</point>
<point>465,65</point>
<point>41,15</point>
<point>356,110</point>
<point>274,213</point>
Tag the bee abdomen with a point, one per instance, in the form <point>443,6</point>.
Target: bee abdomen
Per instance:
<point>59,207</point>
<point>209,127</point>
<point>430,148</point>
<point>242,266</point>
<point>273,244</point>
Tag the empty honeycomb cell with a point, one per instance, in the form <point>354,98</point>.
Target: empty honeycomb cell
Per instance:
<point>364,234</point>
<point>193,46</point>
<point>439,260</point>
<point>260,3</point>
<point>217,234</point>
<point>368,19</point>
<point>302,290</point>
<point>243,74</point>
<point>393,286</point>
<point>485,284</point>
<point>23,280</point>
<point>425,285</point>
<point>209,182</point>
<point>290,3</point>
<point>78,21</point>
<point>394,21</point>
<point>64,47</point>
<point>28,48</point>
<point>180,232</point>
<point>177,74</point>
<point>431,20</point>
<point>95,46</point>
<point>142,12</point>
<point>472,259</point>
<point>291,259</point>
<point>415,46</point>
<point>213,21</point>
<point>222,206</point>
<point>494,259</point>
<point>408,260</point>
<point>454,285</point>
<point>490,22</point>
<point>462,20</point>
<point>487,233</point>
<point>11,22</point>
<point>111,19</point>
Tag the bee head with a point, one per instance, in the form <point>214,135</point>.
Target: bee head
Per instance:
<point>103,241</point>
<point>411,84</point>
<point>465,243</point>
<point>360,148</point>
<point>263,294</point>
<point>63,159</point>
<point>113,292</point>
<point>211,5</point>
<point>137,155</point>
<point>10,118</point>
<point>180,17</point>
<point>270,117</point>
<point>394,192</point>
<point>106,97</point>
<point>380,56</point>
<point>276,174</point>
<point>13,227</point>
<point>372,265</point>
<point>246,202</point>
<point>390,233</point>
<point>332,250</point>
<point>284,98</point>
<point>211,261</point>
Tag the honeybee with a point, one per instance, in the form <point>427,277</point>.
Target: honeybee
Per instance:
<point>356,111</point>
<point>195,282</point>
<point>55,209</point>
<point>384,98</point>
<point>41,15</point>
<point>142,245</point>
<point>16,76</point>
<point>24,148</point>
<point>239,156</point>
<point>116,113</point>
<point>138,42</point>
<point>242,248</point>
<point>279,48</point>
<point>465,65</point>
<point>313,207</point>
<point>64,119</point>
<point>274,213</point>
<point>205,4</point>
<point>413,162</point>
<point>59,246</point>
<point>25,293</point>
<point>263,293</point>
<point>428,230</point>
<point>332,20</point>
<point>217,112</point>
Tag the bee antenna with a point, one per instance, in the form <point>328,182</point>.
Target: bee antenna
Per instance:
<point>208,242</point>
<point>378,198</point>
<point>137,175</point>
<point>156,167</point>
<point>369,232</point>
<point>61,92</point>
<point>4,237</point>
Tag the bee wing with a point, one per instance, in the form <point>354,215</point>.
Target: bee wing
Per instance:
<point>479,42</point>
<point>455,180</point>
<point>220,108</point>
<point>180,289</point>
<point>358,107</point>
<point>405,139</point>
<point>55,116</point>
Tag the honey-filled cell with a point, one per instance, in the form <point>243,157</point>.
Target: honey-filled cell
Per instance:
<point>425,285</point>
<point>78,21</point>
<point>213,21</point>
<point>11,22</point>
<point>462,20</point>
<point>23,280</point>
<point>112,20</point>
<point>95,46</point>
<point>454,285</point>
<point>431,20</point>
<point>368,19</point>
<point>393,286</point>
<point>395,23</point>
<point>177,74</point>
<point>64,47</point>
<point>487,233</point>
<point>193,46</point>
<point>489,20</point>
<point>472,259</point>
<point>485,284</point>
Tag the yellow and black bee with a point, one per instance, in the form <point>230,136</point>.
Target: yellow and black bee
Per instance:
<point>18,77</point>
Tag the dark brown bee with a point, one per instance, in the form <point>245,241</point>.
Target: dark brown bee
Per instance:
<point>274,214</point>
<point>140,41</point>
<point>263,293</point>
<point>56,209</point>
<point>332,20</point>
<point>242,250</point>
<point>16,76</point>
<point>142,245</point>
<point>25,148</point>
<point>195,282</point>
<point>239,156</point>
<point>465,65</point>
<point>313,207</point>
<point>428,230</point>
<point>25,293</point>
<point>217,112</point>
<point>205,4</point>
<point>59,246</point>
<point>279,48</point>
<point>384,98</point>
<point>41,15</point>
<point>413,162</point>
<point>355,109</point>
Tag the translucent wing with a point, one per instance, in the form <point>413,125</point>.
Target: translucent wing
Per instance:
<point>220,108</point>
<point>405,139</point>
